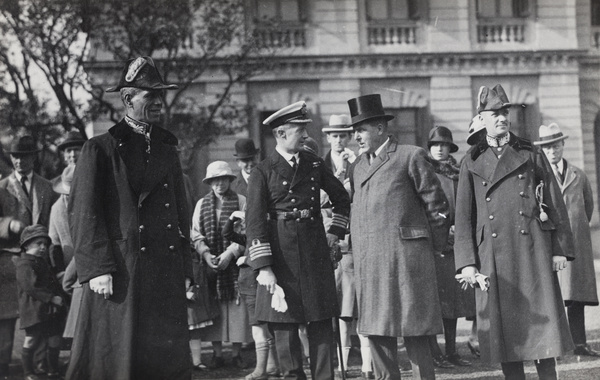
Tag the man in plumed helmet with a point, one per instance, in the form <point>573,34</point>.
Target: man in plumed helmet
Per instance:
<point>130,229</point>
<point>512,226</point>
<point>399,219</point>
<point>288,245</point>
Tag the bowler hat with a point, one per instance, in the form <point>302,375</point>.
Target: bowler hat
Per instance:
<point>294,113</point>
<point>550,134</point>
<point>218,169</point>
<point>23,145</point>
<point>492,99</point>
<point>475,126</point>
<point>74,138</point>
<point>367,107</point>
<point>338,123</point>
<point>244,148</point>
<point>63,183</point>
<point>440,134</point>
<point>32,232</point>
<point>142,73</point>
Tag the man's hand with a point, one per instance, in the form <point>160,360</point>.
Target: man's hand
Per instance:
<point>267,278</point>
<point>332,239</point>
<point>57,300</point>
<point>16,226</point>
<point>237,215</point>
<point>102,285</point>
<point>224,259</point>
<point>210,260</point>
<point>559,263</point>
<point>189,289</point>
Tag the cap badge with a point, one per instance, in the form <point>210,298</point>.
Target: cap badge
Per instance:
<point>134,68</point>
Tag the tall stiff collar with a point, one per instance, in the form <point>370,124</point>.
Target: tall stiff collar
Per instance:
<point>514,141</point>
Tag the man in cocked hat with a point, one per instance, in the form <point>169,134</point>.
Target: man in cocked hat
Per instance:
<point>130,230</point>
<point>399,218</point>
<point>288,245</point>
<point>512,226</point>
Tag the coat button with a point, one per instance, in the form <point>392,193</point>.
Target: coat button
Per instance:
<point>494,235</point>
<point>142,228</point>
<point>284,183</point>
<point>167,205</point>
<point>491,217</point>
<point>488,199</point>
<point>312,218</point>
<point>523,232</point>
<point>312,208</point>
<point>298,220</point>
<point>171,248</point>
<point>295,210</point>
<point>290,191</point>
<point>143,249</point>
<point>520,212</point>
<point>139,205</point>
<point>293,200</point>
<point>522,194</point>
<point>313,188</point>
<point>521,176</point>
<point>484,183</point>
<point>166,185</point>
<point>169,226</point>
<point>312,178</point>
<point>312,198</point>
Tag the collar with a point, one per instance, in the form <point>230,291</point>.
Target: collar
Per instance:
<point>245,176</point>
<point>497,141</point>
<point>122,131</point>
<point>514,141</point>
<point>28,176</point>
<point>137,126</point>
<point>381,148</point>
<point>560,166</point>
<point>338,158</point>
<point>288,156</point>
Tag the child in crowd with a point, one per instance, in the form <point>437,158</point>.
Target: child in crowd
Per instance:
<point>41,301</point>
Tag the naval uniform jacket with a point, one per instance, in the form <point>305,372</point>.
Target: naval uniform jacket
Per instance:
<point>296,249</point>
<point>499,230</point>
<point>578,279</point>
<point>132,223</point>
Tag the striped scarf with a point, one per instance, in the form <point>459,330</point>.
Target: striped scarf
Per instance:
<point>227,286</point>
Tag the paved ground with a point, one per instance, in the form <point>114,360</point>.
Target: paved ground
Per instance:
<point>569,367</point>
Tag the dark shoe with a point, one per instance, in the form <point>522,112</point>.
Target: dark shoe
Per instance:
<point>31,376</point>
<point>216,362</point>
<point>368,375</point>
<point>200,367</point>
<point>238,362</point>
<point>474,349</point>
<point>53,375</point>
<point>441,362</point>
<point>457,360</point>
<point>273,372</point>
<point>585,350</point>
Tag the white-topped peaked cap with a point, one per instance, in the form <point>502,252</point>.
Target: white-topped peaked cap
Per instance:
<point>294,113</point>
<point>339,123</point>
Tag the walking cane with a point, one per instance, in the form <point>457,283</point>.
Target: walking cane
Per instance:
<point>336,321</point>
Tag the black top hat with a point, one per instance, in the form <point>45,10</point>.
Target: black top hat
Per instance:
<point>367,107</point>
<point>244,148</point>
<point>74,138</point>
<point>141,72</point>
<point>492,99</point>
<point>440,134</point>
<point>23,145</point>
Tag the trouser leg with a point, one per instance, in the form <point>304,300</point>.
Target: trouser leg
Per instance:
<point>513,370</point>
<point>546,369</point>
<point>576,317</point>
<point>320,348</point>
<point>417,348</point>
<point>450,335</point>
<point>384,353</point>
<point>7,337</point>
<point>289,349</point>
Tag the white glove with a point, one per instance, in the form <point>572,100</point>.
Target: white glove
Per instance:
<point>278,302</point>
<point>102,285</point>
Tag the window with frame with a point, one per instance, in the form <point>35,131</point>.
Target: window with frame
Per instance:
<point>280,10</point>
<point>280,23</point>
<point>595,12</point>
<point>524,120</point>
<point>409,125</point>
<point>380,10</point>
<point>504,8</point>
<point>394,22</point>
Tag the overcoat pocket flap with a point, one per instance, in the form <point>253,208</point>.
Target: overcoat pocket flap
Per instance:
<point>413,232</point>
<point>547,225</point>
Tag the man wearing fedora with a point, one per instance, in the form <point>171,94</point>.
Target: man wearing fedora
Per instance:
<point>399,218</point>
<point>512,226</point>
<point>130,230</point>
<point>71,147</point>
<point>288,245</point>
<point>246,159</point>
<point>578,280</point>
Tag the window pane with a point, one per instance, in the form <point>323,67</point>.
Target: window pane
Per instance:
<point>377,9</point>
<point>486,8</point>
<point>404,125</point>
<point>400,9</point>
<point>290,10</point>
<point>267,9</point>
<point>596,12</point>
<point>506,8</point>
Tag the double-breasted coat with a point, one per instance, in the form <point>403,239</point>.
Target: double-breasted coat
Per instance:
<point>399,216</point>
<point>296,249</point>
<point>132,223</point>
<point>578,280</point>
<point>499,230</point>
<point>239,184</point>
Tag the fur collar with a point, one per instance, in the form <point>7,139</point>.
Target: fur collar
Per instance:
<point>481,145</point>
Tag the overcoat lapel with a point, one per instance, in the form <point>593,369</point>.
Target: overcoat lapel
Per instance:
<point>510,161</point>
<point>158,159</point>
<point>570,176</point>
<point>16,190</point>
<point>380,160</point>
<point>304,167</point>
<point>281,166</point>
<point>36,202</point>
<point>122,133</point>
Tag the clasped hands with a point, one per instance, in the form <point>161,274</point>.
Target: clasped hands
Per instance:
<point>220,262</point>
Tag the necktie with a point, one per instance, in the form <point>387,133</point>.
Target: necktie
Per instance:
<point>24,185</point>
<point>558,173</point>
<point>294,163</point>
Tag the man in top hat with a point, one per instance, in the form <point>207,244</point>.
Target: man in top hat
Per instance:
<point>246,159</point>
<point>289,247</point>
<point>512,226</point>
<point>578,280</point>
<point>130,230</point>
<point>71,147</point>
<point>398,220</point>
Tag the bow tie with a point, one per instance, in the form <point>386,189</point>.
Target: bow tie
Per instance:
<point>497,141</point>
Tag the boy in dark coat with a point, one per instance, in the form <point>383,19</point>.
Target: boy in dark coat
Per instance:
<point>40,301</point>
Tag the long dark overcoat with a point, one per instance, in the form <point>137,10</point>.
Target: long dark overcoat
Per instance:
<point>9,242</point>
<point>297,251</point>
<point>498,229</point>
<point>135,225</point>
<point>578,280</point>
<point>398,218</point>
